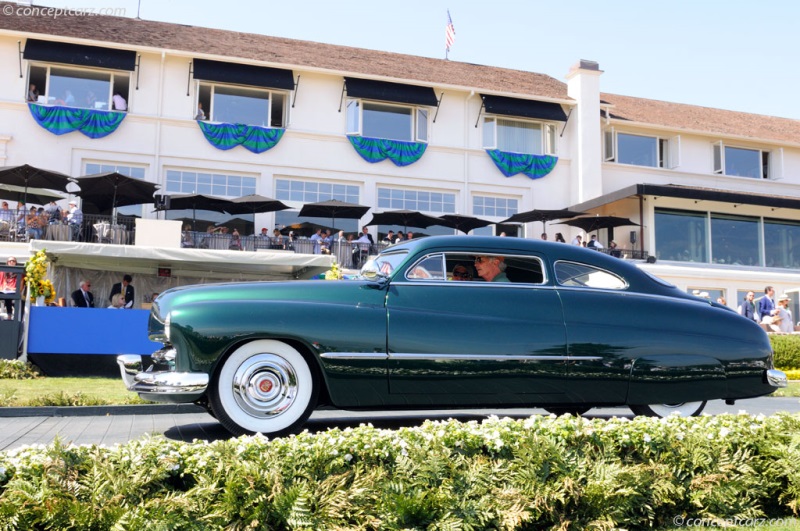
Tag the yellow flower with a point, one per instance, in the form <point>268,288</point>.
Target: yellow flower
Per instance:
<point>35,272</point>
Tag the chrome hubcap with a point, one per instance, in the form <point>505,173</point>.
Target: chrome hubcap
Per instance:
<point>265,385</point>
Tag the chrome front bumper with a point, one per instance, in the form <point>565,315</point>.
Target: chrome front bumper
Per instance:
<point>161,386</point>
<point>776,378</point>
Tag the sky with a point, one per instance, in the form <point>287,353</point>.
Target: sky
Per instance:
<point>728,54</point>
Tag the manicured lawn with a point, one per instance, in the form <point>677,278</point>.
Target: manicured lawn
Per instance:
<point>792,390</point>
<point>65,392</point>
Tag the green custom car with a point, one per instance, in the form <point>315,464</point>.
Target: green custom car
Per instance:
<point>451,322</point>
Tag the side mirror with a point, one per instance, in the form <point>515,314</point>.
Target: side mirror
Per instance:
<point>370,271</point>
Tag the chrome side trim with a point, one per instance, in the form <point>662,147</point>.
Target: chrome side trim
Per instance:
<point>163,382</point>
<point>488,357</point>
<point>450,357</point>
<point>353,356</point>
<point>776,378</point>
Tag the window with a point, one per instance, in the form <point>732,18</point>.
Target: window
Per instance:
<point>641,150</point>
<point>78,87</point>
<point>243,105</point>
<point>735,240</point>
<point>499,207</point>
<point>711,294</point>
<point>438,267</point>
<point>582,275</point>
<point>681,235</point>
<point>312,192</point>
<point>429,268</point>
<point>519,136</point>
<point>782,243</point>
<point>190,182</point>
<point>389,121</point>
<point>92,168</point>
<point>742,162</point>
<point>397,199</point>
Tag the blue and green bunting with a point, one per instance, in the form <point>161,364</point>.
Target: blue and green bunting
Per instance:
<point>377,149</point>
<point>62,120</point>
<point>534,166</point>
<point>228,136</point>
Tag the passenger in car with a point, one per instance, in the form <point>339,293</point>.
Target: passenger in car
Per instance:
<point>461,272</point>
<point>491,268</point>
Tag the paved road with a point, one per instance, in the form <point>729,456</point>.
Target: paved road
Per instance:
<point>109,429</point>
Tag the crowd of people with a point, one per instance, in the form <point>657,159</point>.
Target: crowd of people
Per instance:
<point>774,314</point>
<point>31,223</point>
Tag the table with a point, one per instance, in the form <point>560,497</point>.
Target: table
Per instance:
<point>58,232</point>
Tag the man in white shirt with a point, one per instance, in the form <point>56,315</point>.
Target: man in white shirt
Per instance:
<point>594,243</point>
<point>577,240</point>
<point>75,219</point>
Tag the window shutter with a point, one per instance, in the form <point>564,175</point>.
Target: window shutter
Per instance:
<point>489,133</point>
<point>674,158</point>
<point>549,139</point>
<point>719,157</point>
<point>422,124</point>
<point>353,117</point>
<point>776,165</point>
<point>610,152</point>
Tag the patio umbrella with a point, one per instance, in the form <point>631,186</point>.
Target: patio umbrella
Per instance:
<point>27,176</point>
<point>240,224</point>
<point>197,202</point>
<point>305,228</point>
<point>465,223</point>
<point>593,223</point>
<point>254,204</point>
<point>542,215</point>
<point>406,218</point>
<point>110,190</point>
<point>333,209</point>
<point>39,196</point>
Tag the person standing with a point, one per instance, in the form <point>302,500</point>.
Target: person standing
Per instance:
<point>786,323</point>
<point>560,238</point>
<point>766,306</point>
<point>748,307</point>
<point>577,240</point>
<point>125,289</point>
<point>8,285</point>
<point>33,94</point>
<point>119,102</point>
<point>75,219</point>
<point>83,298</point>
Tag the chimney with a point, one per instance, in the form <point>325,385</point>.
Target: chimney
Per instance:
<point>583,85</point>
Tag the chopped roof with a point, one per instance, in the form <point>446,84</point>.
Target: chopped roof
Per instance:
<point>137,33</point>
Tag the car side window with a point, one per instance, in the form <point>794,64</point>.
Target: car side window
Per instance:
<point>429,268</point>
<point>583,275</point>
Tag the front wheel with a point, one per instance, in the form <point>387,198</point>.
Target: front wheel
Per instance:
<point>684,409</point>
<point>264,386</point>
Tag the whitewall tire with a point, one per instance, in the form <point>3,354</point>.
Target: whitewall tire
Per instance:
<point>684,409</point>
<point>264,386</point>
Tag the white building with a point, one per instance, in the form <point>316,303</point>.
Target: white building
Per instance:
<point>716,193</point>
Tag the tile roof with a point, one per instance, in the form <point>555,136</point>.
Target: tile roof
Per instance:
<point>694,118</point>
<point>276,51</point>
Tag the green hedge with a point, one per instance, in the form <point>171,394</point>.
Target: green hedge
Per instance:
<point>787,350</point>
<point>18,370</point>
<point>537,473</point>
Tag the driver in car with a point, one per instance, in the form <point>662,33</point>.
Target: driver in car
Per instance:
<point>491,268</point>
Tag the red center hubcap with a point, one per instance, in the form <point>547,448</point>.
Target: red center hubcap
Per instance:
<point>265,386</point>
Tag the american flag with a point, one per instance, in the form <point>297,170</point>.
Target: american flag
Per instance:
<point>449,33</point>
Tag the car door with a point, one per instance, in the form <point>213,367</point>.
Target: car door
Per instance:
<point>474,342</point>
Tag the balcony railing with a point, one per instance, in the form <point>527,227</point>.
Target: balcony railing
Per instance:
<point>627,254</point>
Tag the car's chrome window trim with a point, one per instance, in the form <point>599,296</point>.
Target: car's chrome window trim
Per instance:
<point>625,282</point>
<point>353,356</point>
<point>445,254</point>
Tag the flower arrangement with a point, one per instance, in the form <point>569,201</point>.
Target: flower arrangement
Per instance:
<point>334,273</point>
<point>35,272</point>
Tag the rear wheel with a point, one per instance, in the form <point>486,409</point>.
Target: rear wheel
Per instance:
<point>264,386</point>
<point>683,409</point>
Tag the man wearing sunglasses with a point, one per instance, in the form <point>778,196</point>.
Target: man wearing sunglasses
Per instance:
<point>491,268</point>
<point>83,298</point>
